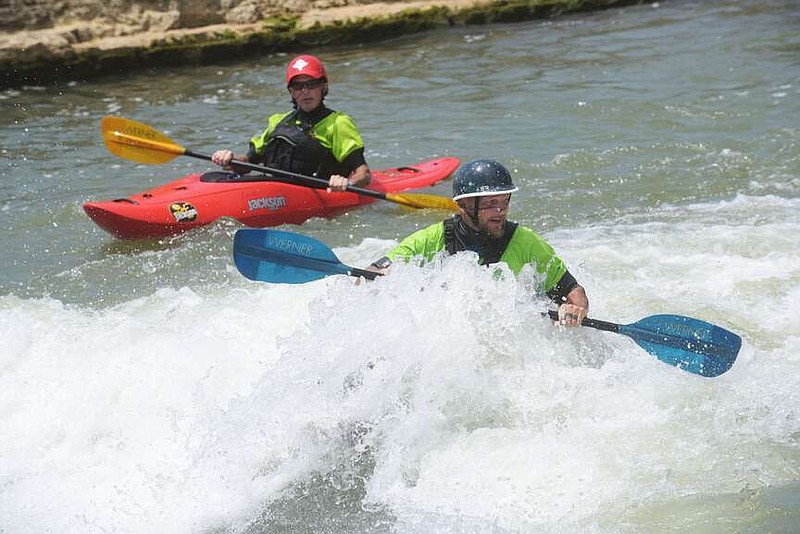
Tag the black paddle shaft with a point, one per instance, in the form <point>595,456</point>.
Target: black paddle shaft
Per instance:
<point>590,323</point>
<point>369,275</point>
<point>302,178</point>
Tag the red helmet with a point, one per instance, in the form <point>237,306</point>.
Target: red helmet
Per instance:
<point>308,65</point>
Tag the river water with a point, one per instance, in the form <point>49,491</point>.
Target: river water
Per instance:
<point>145,386</point>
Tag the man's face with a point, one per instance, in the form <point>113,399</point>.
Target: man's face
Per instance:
<point>307,91</point>
<point>492,213</point>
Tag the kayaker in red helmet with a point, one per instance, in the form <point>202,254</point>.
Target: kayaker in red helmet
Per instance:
<point>312,139</point>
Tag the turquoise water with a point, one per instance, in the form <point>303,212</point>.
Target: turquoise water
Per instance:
<point>146,386</point>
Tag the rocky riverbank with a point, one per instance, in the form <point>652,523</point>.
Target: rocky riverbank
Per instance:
<point>45,42</point>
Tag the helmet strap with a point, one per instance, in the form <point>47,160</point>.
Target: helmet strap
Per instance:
<point>471,214</point>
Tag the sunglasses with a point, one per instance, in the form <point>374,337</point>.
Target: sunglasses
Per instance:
<point>308,84</point>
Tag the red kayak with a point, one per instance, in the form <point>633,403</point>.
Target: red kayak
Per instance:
<point>200,199</point>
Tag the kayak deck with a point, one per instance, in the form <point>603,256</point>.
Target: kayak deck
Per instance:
<point>257,201</point>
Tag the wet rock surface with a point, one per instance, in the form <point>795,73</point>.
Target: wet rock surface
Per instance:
<point>44,42</point>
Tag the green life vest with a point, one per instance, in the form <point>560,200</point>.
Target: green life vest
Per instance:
<point>315,144</point>
<point>524,247</point>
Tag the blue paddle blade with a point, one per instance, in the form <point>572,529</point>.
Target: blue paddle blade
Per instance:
<point>283,257</point>
<point>690,344</point>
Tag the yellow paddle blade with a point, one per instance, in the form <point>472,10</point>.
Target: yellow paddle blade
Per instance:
<point>416,200</point>
<point>137,141</point>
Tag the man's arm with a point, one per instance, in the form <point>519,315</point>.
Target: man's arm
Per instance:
<point>361,176</point>
<point>226,159</point>
<point>573,304</point>
<point>573,311</point>
<point>380,266</point>
<point>423,244</point>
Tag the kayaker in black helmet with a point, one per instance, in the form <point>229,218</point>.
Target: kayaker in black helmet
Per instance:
<point>312,139</point>
<point>482,188</point>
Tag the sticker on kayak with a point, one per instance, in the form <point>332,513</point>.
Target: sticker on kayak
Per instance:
<point>269,203</point>
<point>183,211</point>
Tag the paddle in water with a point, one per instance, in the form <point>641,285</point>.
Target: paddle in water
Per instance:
<point>692,345</point>
<point>139,142</point>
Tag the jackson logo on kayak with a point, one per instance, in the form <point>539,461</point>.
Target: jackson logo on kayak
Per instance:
<point>270,203</point>
<point>183,211</point>
<point>290,245</point>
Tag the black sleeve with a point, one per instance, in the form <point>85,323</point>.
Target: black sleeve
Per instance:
<point>562,288</point>
<point>252,157</point>
<point>353,161</point>
<point>382,263</point>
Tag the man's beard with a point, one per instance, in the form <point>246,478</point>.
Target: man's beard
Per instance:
<point>496,233</point>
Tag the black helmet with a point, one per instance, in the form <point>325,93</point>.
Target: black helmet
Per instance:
<point>480,178</point>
